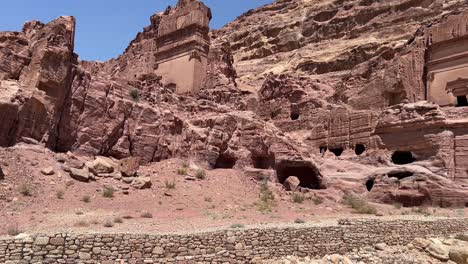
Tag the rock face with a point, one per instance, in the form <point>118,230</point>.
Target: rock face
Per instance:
<point>286,87</point>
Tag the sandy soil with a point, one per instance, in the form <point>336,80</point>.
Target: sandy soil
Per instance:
<point>222,199</point>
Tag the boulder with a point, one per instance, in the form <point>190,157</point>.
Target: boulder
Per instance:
<point>459,254</point>
<point>48,171</point>
<point>80,174</point>
<point>291,183</point>
<point>438,250</point>
<point>462,237</point>
<point>129,166</point>
<point>421,243</point>
<point>142,183</point>
<point>101,165</point>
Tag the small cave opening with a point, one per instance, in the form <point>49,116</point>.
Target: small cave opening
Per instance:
<point>295,116</point>
<point>400,175</point>
<point>308,175</point>
<point>263,162</point>
<point>323,150</point>
<point>225,161</point>
<point>370,184</point>
<point>359,149</point>
<point>2,175</point>
<point>403,157</point>
<point>337,151</point>
<point>462,101</point>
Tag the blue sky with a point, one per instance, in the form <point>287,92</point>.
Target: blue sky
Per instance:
<point>105,27</point>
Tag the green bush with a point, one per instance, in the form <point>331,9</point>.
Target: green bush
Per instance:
<point>298,198</point>
<point>170,184</point>
<point>60,194</point>
<point>13,230</point>
<point>317,200</point>
<point>266,199</point>
<point>359,205</point>
<point>108,192</point>
<point>182,171</point>
<point>237,226</point>
<point>86,199</point>
<point>108,223</point>
<point>135,94</point>
<point>146,215</point>
<point>299,221</point>
<point>26,190</point>
<point>201,174</point>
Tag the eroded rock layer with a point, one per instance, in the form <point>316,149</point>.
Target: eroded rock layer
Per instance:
<point>289,86</point>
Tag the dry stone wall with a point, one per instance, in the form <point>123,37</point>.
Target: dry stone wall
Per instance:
<point>228,246</point>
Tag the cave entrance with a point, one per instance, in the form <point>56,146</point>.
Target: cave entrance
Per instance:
<point>370,184</point>
<point>337,151</point>
<point>323,150</point>
<point>308,175</point>
<point>295,115</point>
<point>263,162</point>
<point>359,149</point>
<point>403,157</point>
<point>462,101</point>
<point>400,175</point>
<point>225,161</point>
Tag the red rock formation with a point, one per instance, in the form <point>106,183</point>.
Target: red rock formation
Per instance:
<point>284,87</point>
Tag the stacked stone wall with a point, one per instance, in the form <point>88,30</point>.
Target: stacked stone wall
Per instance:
<point>227,246</point>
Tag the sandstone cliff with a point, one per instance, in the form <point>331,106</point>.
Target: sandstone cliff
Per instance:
<point>289,86</point>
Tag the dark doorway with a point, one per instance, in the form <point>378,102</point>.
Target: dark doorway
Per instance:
<point>323,150</point>
<point>263,162</point>
<point>337,151</point>
<point>225,162</point>
<point>308,175</point>
<point>403,157</point>
<point>295,116</point>
<point>462,101</point>
<point>359,149</point>
<point>400,174</point>
<point>370,184</point>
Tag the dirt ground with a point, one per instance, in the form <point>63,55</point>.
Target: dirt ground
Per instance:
<point>33,202</point>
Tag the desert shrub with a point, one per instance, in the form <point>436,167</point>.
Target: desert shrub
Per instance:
<point>81,223</point>
<point>86,199</point>
<point>237,226</point>
<point>298,198</point>
<point>60,194</point>
<point>135,94</point>
<point>26,190</point>
<point>359,205</point>
<point>146,215</point>
<point>118,220</point>
<point>299,221</point>
<point>108,192</point>
<point>201,174</point>
<point>127,217</point>
<point>182,171</point>
<point>421,210</point>
<point>13,230</point>
<point>108,223</point>
<point>208,199</point>
<point>397,206</point>
<point>170,184</point>
<point>185,164</point>
<point>266,199</point>
<point>317,200</point>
